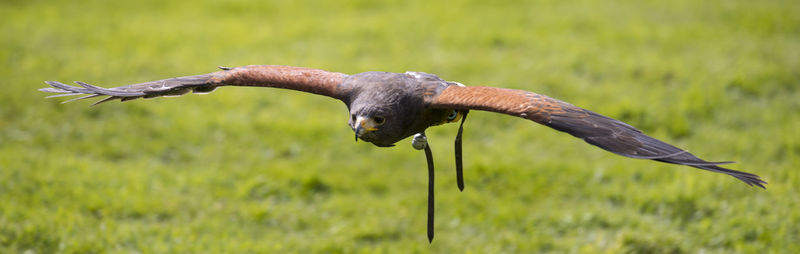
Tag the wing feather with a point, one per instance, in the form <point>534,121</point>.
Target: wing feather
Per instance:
<point>604,132</point>
<point>294,78</point>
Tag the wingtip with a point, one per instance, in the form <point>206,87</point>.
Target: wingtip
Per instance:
<point>759,183</point>
<point>53,83</point>
<point>83,84</point>
<point>81,98</point>
<point>53,90</point>
<point>63,94</point>
<point>748,178</point>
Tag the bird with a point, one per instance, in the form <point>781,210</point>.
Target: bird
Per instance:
<point>386,107</point>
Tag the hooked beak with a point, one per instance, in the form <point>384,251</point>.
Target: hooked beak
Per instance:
<point>363,125</point>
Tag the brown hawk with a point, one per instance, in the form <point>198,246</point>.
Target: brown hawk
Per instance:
<point>388,107</point>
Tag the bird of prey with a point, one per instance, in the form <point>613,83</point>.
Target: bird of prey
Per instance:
<point>388,107</point>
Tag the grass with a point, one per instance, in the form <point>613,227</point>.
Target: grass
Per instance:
<point>247,170</point>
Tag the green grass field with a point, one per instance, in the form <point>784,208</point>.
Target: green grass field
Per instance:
<point>248,170</point>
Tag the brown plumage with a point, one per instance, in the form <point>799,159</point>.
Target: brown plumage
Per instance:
<point>388,107</point>
<point>607,133</point>
<point>287,77</point>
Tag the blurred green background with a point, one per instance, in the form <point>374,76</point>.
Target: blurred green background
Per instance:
<point>249,170</point>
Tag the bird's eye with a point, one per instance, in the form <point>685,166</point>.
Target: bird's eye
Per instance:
<point>452,115</point>
<point>379,120</point>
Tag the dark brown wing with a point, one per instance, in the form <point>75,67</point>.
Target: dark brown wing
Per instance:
<point>287,77</point>
<point>607,133</point>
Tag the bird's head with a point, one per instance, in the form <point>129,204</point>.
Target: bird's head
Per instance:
<point>385,107</point>
<point>377,125</point>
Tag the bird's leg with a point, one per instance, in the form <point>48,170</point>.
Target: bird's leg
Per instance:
<point>420,141</point>
<point>459,164</point>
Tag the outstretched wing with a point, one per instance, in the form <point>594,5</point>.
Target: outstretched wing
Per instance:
<point>287,77</point>
<point>607,133</point>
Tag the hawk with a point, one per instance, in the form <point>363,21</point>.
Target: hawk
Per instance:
<point>388,107</point>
